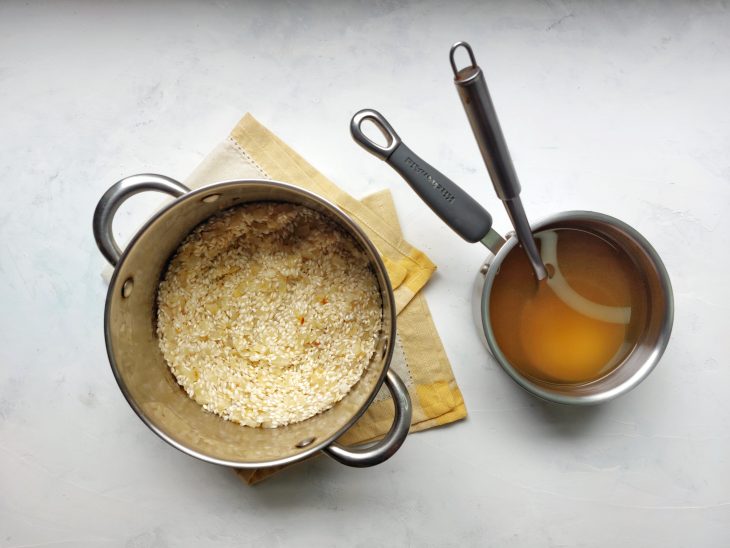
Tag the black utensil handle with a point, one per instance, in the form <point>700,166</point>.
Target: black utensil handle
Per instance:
<point>454,206</point>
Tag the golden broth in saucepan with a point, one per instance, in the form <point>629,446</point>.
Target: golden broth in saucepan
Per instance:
<point>546,339</point>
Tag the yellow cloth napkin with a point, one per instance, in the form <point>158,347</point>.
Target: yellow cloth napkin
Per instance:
<point>408,268</point>
<point>252,151</point>
<point>419,359</point>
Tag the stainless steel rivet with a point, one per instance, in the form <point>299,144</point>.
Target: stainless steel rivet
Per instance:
<point>484,269</point>
<point>305,442</point>
<point>385,348</point>
<point>127,288</point>
<point>211,198</point>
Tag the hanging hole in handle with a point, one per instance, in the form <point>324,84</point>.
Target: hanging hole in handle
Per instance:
<point>370,140</point>
<point>368,126</point>
<point>452,55</point>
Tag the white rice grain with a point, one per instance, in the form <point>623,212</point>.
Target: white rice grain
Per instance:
<point>268,314</point>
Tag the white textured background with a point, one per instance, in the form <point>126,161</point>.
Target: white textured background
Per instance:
<point>618,107</point>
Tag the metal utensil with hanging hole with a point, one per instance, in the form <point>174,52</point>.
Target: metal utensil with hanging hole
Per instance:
<point>480,111</point>
<point>455,207</point>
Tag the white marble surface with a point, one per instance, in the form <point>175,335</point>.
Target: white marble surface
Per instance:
<point>618,109</point>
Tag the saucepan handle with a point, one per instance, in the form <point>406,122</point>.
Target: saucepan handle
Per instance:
<point>454,206</point>
<point>116,196</point>
<point>370,455</point>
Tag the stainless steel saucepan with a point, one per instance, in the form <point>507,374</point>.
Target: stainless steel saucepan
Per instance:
<point>144,377</point>
<point>474,224</point>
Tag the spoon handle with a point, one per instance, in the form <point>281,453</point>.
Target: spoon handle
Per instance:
<point>456,208</point>
<point>472,88</point>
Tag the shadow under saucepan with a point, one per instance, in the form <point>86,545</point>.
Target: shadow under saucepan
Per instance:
<point>567,421</point>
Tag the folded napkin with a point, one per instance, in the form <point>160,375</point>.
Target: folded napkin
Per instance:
<point>252,152</point>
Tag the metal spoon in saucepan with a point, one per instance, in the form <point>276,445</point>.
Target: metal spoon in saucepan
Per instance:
<point>480,111</point>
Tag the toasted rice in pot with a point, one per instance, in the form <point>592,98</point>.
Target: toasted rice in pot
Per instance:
<point>268,314</point>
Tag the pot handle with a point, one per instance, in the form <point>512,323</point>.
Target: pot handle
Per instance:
<point>116,196</point>
<point>372,454</point>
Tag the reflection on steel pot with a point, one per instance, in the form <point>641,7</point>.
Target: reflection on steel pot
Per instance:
<point>149,385</point>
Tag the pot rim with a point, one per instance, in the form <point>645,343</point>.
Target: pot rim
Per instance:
<point>217,188</point>
<point>629,383</point>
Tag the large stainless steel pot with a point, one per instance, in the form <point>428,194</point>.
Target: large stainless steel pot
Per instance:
<point>146,380</point>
